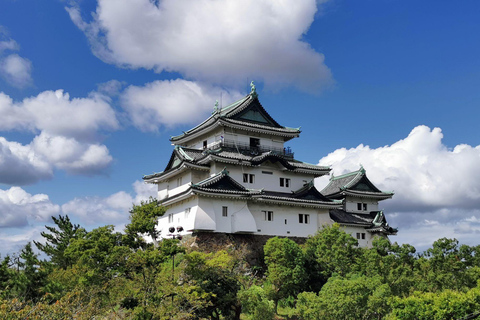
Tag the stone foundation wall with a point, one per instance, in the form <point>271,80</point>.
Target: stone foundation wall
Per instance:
<point>248,245</point>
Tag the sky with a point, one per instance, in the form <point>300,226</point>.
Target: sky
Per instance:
<point>91,91</point>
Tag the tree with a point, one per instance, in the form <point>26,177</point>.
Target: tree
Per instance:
<point>285,268</point>
<point>355,297</point>
<point>28,283</point>
<point>59,239</point>
<point>330,251</point>
<point>256,304</point>
<point>101,252</point>
<point>209,276</point>
<point>144,219</point>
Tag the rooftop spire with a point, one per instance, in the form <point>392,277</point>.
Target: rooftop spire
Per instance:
<point>253,90</point>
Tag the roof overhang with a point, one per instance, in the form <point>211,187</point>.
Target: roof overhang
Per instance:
<point>163,176</point>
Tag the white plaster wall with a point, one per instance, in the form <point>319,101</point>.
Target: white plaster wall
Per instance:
<point>162,188</point>
<point>292,227</point>
<point>244,138</point>
<point>238,219</point>
<point>351,204</point>
<point>269,182</point>
<point>186,179</point>
<point>198,175</point>
<point>211,137</point>
<point>179,218</point>
<point>365,243</point>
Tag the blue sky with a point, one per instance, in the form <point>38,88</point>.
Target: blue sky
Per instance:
<point>352,74</point>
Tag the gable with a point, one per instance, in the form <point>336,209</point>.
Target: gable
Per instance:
<point>256,113</point>
<point>225,184</point>
<point>364,185</point>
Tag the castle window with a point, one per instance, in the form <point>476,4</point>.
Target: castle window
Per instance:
<point>361,235</point>
<point>254,143</point>
<point>179,182</point>
<point>187,213</point>
<point>204,144</point>
<point>224,211</point>
<point>359,207</point>
<point>268,215</point>
<point>364,207</point>
<point>248,178</point>
<point>284,182</point>
<point>303,218</point>
<point>170,218</point>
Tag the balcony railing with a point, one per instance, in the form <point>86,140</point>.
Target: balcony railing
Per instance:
<point>248,149</point>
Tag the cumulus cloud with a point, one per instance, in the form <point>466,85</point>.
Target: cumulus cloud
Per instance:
<point>171,102</point>
<point>222,42</point>
<point>113,209</point>
<point>26,164</point>
<point>15,69</point>
<point>435,187</point>
<point>423,172</point>
<point>23,215</point>
<point>20,165</point>
<point>70,155</point>
<point>67,129</point>
<point>17,207</point>
<point>58,114</point>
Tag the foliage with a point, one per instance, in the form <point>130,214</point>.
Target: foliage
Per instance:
<point>285,268</point>
<point>59,239</point>
<point>256,304</point>
<point>144,219</point>
<point>213,280</point>
<point>332,251</point>
<point>104,274</point>
<point>448,304</point>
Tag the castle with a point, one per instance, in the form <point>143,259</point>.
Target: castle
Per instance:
<point>233,174</point>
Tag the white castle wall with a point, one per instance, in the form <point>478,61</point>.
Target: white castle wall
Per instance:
<point>351,205</point>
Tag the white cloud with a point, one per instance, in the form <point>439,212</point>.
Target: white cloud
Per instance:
<point>26,164</point>
<point>171,102</point>
<point>67,130</point>
<point>16,70</point>
<point>223,42</point>
<point>22,215</point>
<point>20,165</point>
<point>17,207</point>
<point>423,172</point>
<point>70,155</point>
<point>113,209</point>
<point>55,112</point>
<point>436,188</point>
<point>8,44</point>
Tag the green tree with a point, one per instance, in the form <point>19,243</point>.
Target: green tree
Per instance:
<point>256,303</point>
<point>144,219</point>
<point>6,275</point>
<point>101,252</point>
<point>330,251</point>
<point>59,239</point>
<point>285,268</point>
<point>29,281</point>
<point>209,275</point>
<point>352,298</point>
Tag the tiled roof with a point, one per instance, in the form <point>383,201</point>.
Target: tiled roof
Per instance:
<point>373,221</point>
<point>236,114</point>
<point>353,183</point>
<point>195,157</point>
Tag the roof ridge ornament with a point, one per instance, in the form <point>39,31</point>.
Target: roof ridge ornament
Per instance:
<point>253,90</point>
<point>215,108</point>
